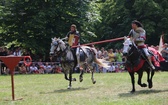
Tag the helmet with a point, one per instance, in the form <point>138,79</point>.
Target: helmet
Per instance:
<point>73,25</point>
<point>137,23</point>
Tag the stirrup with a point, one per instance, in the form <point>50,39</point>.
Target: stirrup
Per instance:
<point>153,67</point>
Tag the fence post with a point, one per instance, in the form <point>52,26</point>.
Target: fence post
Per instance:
<point>0,67</point>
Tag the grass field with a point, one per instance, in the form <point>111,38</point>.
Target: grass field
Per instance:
<point>110,89</point>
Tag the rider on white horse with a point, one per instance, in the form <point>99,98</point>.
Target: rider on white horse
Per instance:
<point>73,38</point>
<point>138,35</point>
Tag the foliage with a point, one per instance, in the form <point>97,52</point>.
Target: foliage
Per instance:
<point>117,17</point>
<point>32,23</point>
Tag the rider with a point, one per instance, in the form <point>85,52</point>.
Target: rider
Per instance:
<point>73,38</point>
<point>138,35</point>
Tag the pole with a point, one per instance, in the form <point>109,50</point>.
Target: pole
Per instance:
<point>0,67</point>
<point>12,82</point>
<point>99,42</point>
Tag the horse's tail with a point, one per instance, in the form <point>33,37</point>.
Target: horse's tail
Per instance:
<point>101,62</point>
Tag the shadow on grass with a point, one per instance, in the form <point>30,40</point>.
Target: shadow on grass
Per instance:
<point>65,90</point>
<point>129,94</point>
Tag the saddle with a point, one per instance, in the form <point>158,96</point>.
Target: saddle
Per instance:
<point>150,52</point>
<point>83,53</point>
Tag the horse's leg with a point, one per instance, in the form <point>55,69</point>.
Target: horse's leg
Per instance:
<point>81,75</point>
<point>92,78</point>
<point>70,78</point>
<point>65,75</point>
<point>149,79</point>
<point>133,81</point>
<point>140,74</point>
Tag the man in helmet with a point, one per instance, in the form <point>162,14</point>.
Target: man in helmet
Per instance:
<point>138,35</point>
<point>73,38</point>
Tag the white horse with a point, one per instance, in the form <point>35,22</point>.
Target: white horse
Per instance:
<point>59,48</point>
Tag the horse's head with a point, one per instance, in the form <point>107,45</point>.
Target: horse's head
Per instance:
<point>127,46</point>
<point>56,45</point>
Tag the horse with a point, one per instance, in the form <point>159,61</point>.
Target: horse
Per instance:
<point>136,63</point>
<point>68,61</point>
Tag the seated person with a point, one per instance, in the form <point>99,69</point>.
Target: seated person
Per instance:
<point>57,69</point>
<point>22,69</point>
<point>33,69</point>
<point>164,52</point>
<point>47,68</point>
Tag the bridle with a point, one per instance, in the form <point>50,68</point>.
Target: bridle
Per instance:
<point>131,49</point>
<point>60,52</point>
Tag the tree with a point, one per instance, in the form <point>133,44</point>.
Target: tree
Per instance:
<point>33,23</point>
<point>117,17</point>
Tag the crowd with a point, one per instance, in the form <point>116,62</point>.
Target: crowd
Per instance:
<point>114,57</point>
<point>42,66</point>
<point>37,67</point>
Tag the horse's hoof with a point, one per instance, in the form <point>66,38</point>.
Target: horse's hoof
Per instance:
<point>74,79</point>
<point>133,91</point>
<point>94,82</point>
<point>144,85</point>
<point>150,85</point>
<point>69,87</point>
<point>81,80</point>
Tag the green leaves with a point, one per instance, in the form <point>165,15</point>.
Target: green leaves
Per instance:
<point>32,23</point>
<point>117,17</point>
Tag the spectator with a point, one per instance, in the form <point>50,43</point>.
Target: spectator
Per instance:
<point>22,69</point>
<point>41,69</point>
<point>1,51</point>
<point>40,63</point>
<point>33,69</point>
<point>99,53</point>
<point>5,51</point>
<point>165,52</point>
<point>112,68</point>
<point>118,54</point>
<point>47,68</point>
<point>17,52</point>
<point>17,69</point>
<point>111,55</point>
<point>117,68</point>
<point>26,52</point>
<point>105,55</point>
<point>121,67</point>
<point>57,69</point>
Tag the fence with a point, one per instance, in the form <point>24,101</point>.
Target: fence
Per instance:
<point>113,67</point>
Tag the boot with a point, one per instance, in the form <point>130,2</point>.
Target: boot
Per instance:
<point>150,63</point>
<point>78,61</point>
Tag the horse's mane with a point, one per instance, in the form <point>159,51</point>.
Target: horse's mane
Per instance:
<point>60,41</point>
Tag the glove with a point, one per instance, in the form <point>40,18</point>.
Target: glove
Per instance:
<point>66,38</point>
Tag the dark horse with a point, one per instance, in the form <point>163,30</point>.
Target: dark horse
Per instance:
<point>59,48</point>
<point>135,62</point>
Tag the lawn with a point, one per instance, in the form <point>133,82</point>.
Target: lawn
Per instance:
<point>110,89</point>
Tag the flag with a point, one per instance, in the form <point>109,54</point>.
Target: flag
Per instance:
<point>161,43</point>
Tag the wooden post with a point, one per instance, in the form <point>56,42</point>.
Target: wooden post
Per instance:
<point>0,67</point>
<point>11,62</point>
